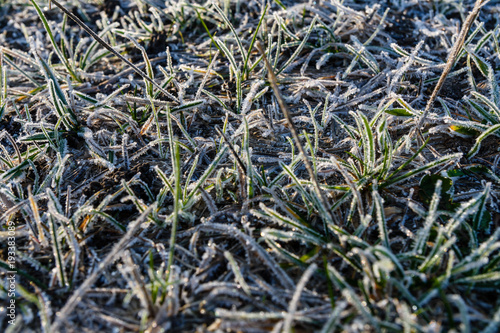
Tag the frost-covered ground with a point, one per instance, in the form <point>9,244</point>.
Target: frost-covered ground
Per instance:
<point>155,182</point>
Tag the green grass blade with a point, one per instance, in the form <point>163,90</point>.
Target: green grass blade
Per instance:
<point>238,40</point>
<point>59,53</point>
<point>480,138</point>
<point>299,48</point>
<point>382,224</point>
<point>250,48</point>
<point>416,171</point>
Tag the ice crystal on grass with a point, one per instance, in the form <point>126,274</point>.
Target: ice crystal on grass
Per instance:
<point>155,181</point>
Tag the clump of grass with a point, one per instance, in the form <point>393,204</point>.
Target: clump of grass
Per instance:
<point>251,166</point>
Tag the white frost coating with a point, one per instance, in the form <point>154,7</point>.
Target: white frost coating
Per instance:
<point>76,297</point>
<point>247,103</point>
<point>322,60</point>
<point>248,242</point>
<point>296,297</point>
